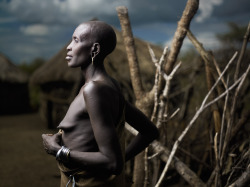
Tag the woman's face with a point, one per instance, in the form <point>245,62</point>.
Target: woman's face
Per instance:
<point>79,50</point>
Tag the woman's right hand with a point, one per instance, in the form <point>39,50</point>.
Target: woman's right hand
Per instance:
<point>51,143</point>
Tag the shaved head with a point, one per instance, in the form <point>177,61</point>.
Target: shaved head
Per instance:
<point>102,33</point>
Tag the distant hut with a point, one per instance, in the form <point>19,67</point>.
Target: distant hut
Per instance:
<point>14,94</point>
<point>59,84</point>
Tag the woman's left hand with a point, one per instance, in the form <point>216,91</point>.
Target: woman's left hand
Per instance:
<point>51,143</point>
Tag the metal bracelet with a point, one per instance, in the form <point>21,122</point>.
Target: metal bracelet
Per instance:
<point>63,154</point>
<point>58,153</point>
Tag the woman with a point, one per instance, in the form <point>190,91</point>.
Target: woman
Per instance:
<point>89,146</point>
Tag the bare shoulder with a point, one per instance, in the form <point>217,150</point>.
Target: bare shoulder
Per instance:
<point>97,89</point>
<point>102,102</point>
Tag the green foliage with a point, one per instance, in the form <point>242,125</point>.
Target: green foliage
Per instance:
<point>188,55</point>
<point>234,36</point>
<point>29,68</point>
<point>34,91</point>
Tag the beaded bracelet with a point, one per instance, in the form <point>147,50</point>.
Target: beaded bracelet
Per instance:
<point>63,154</point>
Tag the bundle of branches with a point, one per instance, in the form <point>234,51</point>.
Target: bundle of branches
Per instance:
<point>220,165</point>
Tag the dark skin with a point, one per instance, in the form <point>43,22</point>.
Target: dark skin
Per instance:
<point>89,127</point>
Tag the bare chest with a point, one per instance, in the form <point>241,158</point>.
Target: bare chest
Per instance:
<point>76,126</point>
<point>76,114</point>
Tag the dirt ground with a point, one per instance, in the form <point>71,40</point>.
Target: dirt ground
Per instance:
<point>23,162</point>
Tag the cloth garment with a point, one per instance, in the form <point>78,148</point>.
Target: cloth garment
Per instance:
<point>88,179</point>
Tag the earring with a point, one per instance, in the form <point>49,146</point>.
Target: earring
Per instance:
<point>92,61</point>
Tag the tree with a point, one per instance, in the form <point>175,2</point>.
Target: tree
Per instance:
<point>32,66</point>
<point>234,36</point>
<point>34,91</point>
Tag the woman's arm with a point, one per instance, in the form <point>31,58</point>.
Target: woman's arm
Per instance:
<point>147,132</point>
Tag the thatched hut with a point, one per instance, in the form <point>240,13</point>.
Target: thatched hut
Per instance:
<point>59,84</point>
<point>14,93</point>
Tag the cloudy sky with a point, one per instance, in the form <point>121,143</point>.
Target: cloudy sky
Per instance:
<point>40,28</point>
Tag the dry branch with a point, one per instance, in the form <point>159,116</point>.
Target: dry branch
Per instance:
<point>242,52</point>
<point>238,125</point>
<point>243,180</point>
<point>231,119</point>
<point>210,73</point>
<point>200,110</point>
<point>131,52</point>
<point>146,178</point>
<point>239,81</point>
<point>217,167</point>
<point>236,94</point>
<point>194,157</point>
<point>206,56</point>
<point>155,89</point>
<point>158,74</point>
<point>180,167</point>
<point>183,25</point>
<point>219,71</point>
<point>241,122</point>
<point>223,127</point>
<point>141,102</point>
<point>164,95</point>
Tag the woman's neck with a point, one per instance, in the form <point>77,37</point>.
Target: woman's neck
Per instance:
<point>93,72</point>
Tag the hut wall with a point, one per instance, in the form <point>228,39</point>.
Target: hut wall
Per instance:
<point>55,100</point>
<point>14,98</point>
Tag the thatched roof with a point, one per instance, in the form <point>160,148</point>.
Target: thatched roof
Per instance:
<point>9,73</point>
<point>56,68</point>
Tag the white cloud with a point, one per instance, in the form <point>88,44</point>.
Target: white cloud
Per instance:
<point>208,40</point>
<point>168,42</point>
<point>62,11</point>
<point>52,21</point>
<point>206,8</point>
<point>36,30</point>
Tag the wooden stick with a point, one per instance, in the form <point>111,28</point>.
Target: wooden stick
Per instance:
<point>219,71</point>
<point>231,119</point>
<point>164,95</point>
<point>180,167</point>
<point>217,167</point>
<point>223,125</point>
<point>146,179</point>
<point>181,31</point>
<point>131,52</point>
<point>242,52</point>
<point>243,180</point>
<point>202,107</point>
<point>157,77</point>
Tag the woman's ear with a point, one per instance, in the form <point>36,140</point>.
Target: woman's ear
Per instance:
<point>95,49</point>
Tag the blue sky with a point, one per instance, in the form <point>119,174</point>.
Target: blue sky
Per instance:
<point>40,28</point>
